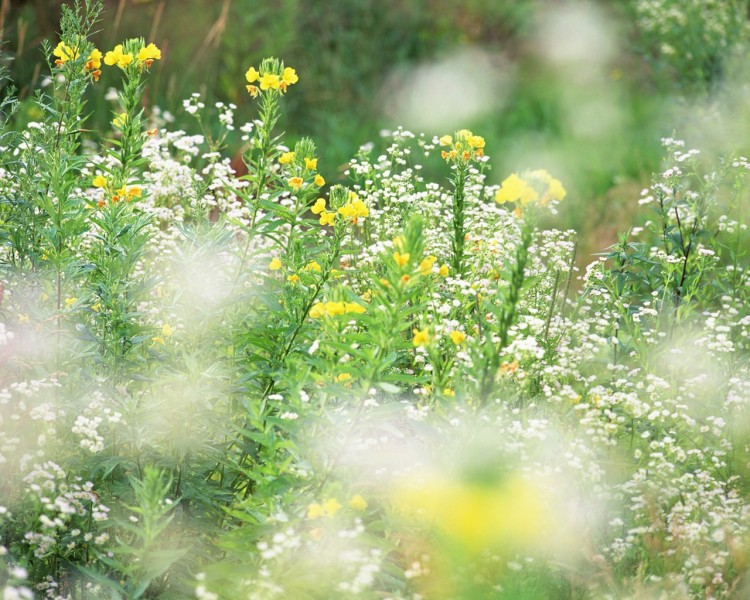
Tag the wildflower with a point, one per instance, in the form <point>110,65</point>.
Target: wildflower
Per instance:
<point>118,57</point>
<point>357,502</point>
<point>342,378</point>
<point>70,302</point>
<point>327,218</point>
<point>313,266</point>
<point>293,278</point>
<point>269,81</point>
<point>311,164</point>
<point>331,506</point>
<point>476,141</point>
<point>335,308</point>
<point>120,120</point>
<point>401,259</point>
<point>286,158</point>
<point>134,192</point>
<point>319,206</point>
<point>421,338</point>
<point>148,54</point>
<point>275,264</point>
<point>64,53</point>
<point>166,330</point>
<point>444,271</point>
<point>354,209</point>
<point>449,392</point>
<point>158,340</point>
<point>354,307</point>
<point>288,77</point>
<point>506,367</point>
<point>23,319</point>
<point>457,337</point>
<point>515,189</point>
<point>319,181</point>
<point>152,132</point>
<point>252,75</point>
<point>99,181</point>
<point>315,511</point>
<point>425,267</point>
<point>446,140</point>
<point>94,64</point>
<point>96,307</point>
<point>318,310</point>
<point>295,183</point>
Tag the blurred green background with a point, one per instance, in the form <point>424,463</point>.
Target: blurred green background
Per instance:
<point>583,88</point>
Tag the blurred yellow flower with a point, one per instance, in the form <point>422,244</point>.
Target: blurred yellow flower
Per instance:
<point>296,183</point>
<point>293,278</point>
<point>311,164</point>
<point>319,181</point>
<point>457,337</point>
<point>357,502</point>
<point>335,308</point>
<point>444,271</point>
<point>327,218</point>
<point>318,310</point>
<point>331,506</point>
<point>354,307</point>
<point>313,266</point>
<point>275,264</point>
<point>166,330</point>
<point>342,378</point>
<point>515,189</point>
<point>286,158</point>
<point>425,267</point>
<point>421,338</point>
<point>401,259</point>
<point>99,181</point>
<point>319,206</point>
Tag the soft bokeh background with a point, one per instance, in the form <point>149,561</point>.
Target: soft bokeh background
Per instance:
<point>582,88</point>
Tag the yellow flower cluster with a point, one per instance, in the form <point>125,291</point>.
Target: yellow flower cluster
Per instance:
<point>146,55</point>
<point>354,209</point>
<point>65,53</point>
<point>124,193</point>
<point>532,186</point>
<point>270,81</point>
<point>333,309</point>
<point>464,147</point>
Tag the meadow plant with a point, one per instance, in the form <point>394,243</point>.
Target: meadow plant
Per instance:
<point>255,385</point>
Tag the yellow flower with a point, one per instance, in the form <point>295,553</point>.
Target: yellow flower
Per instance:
<point>275,264</point>
<point>252,75</point>
<point>421,338</point>
<point>269,81</point>
<point>166,330</point>
<point>64,53</point>
<point>476,141</point>
<point>401,259</point>
<point>70,302</point>
<point>457,337</point>
<point>99,181</point>
<point>425,267</point>
<point>296,183</point>
<point>313,266</point>
<point>117,57</point>
<point>120,120</point>
<point>286,158</point>
<point>446,140</point>
<point>444,271</point>
<point>449,392</point>
<point>318,310</point>
<point>311,164</point>
<point>327,218</point>
<point>315,511</point>
<point>293,278</point>
<point>354,209</point>
<point>357,502</point>
<point>157,340</point>
<point>319,181</point>
<point>23,319</point>
<point>134,192</point>
<point>354,307</point>
<point>515,189</point>
<point>342,378</point>
<point>335,308</point>
<point>94,61</point>
<point>96,307</point>
<point>556,191</point>
<point>331,506</point>
<point>252,90</point>
<point>288,77</point>
<point>319,206</point>
<point>148,54</point>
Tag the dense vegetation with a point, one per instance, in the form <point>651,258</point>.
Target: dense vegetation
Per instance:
<point>230,369</point>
